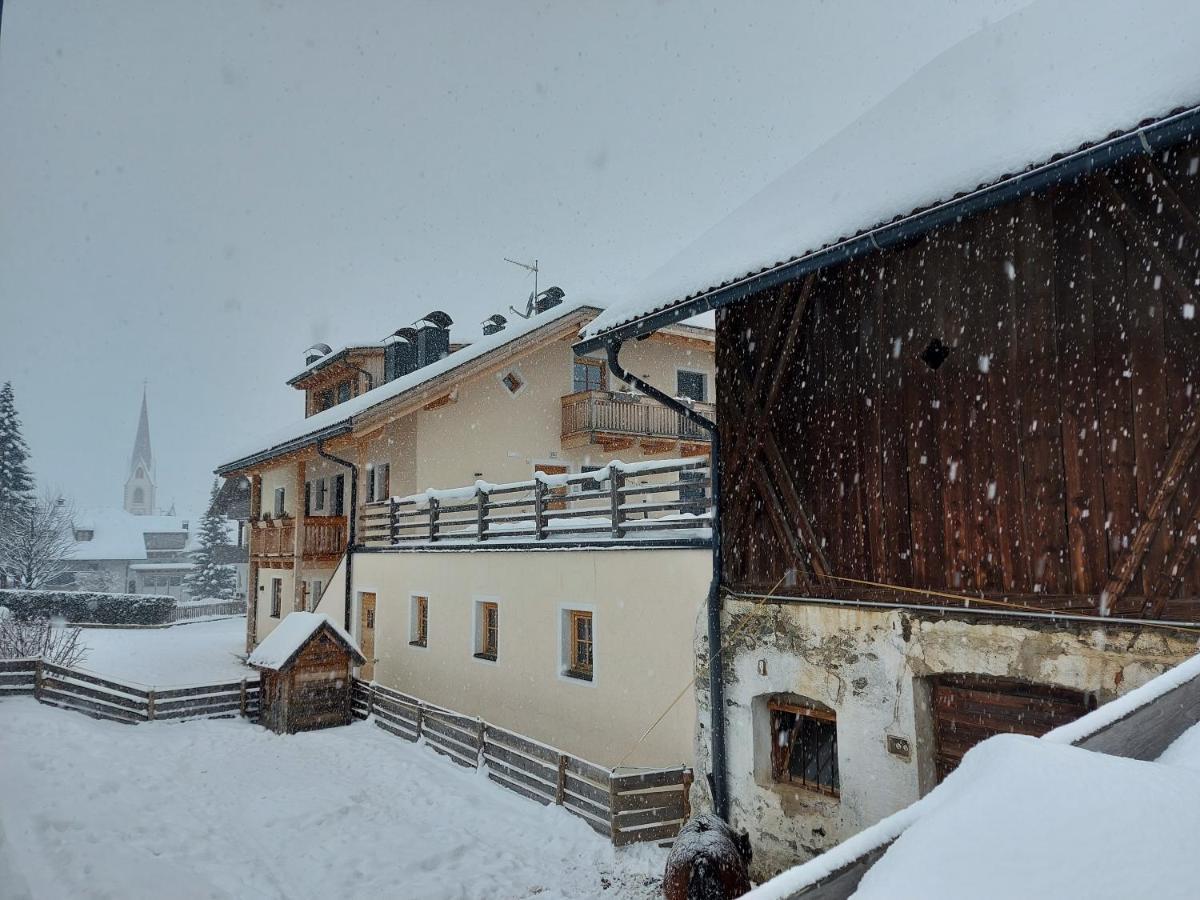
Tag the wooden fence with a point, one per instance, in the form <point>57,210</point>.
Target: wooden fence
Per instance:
<point>184,612</point>
<point>104,698</point>
<point>615,502</point>
<point>627,808</point>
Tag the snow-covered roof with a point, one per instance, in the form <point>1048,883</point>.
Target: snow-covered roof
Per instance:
<point>118,534</point>
<point>1044,81</point>
<point>338,419</point>
<point>333,356</point>
<point>290,635</point>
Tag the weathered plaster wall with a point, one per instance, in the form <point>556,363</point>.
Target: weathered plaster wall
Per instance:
<point>871,666</point>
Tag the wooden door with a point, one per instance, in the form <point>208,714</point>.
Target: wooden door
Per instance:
<point>550,469</point>
<point>366,635</point>
<point>970,708</point>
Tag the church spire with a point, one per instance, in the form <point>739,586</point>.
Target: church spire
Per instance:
<point>139,485</point>
<point>141,444</point>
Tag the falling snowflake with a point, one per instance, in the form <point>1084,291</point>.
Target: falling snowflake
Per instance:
<point>1189,310</point>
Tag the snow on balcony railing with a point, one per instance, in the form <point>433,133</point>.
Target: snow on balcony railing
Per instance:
<point>644,501</point>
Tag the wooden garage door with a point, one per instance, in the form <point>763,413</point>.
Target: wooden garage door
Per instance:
<point>969,708</point>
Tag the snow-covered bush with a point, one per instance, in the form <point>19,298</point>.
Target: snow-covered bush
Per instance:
<point>27,638</point>
<point>88,606</point>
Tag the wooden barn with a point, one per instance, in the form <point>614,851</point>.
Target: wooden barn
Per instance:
<point>306,665</point>
<point>958,423</point>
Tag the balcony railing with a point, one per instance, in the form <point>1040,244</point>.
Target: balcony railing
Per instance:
<point>661,500</point>
<point>612,412</point>
<point>277,538</point>
<point>324,536</point>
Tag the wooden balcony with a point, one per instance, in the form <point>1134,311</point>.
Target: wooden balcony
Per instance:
<point>274,544</point>
<point>616,421</point>
<point>324,537</point>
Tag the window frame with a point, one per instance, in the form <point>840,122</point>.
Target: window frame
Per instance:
<point>280,506</point>
<point>319,494</point>
<point>418,620</point>
<point>782,765</point>
<point>573,619</point>
<point>703,376</point>
<point>588,362</point>
<point>479,638</point>
<point>345,390</point>
<point>276,598</point>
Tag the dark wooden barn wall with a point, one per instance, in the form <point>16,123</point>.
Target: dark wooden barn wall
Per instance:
<point>1025,463</point>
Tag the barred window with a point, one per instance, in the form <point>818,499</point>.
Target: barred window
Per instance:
<point>804,747</point>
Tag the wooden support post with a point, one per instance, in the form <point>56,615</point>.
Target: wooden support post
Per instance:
<point>539,509</point>
<point>433,518</point>
<point>688,776</point>
<point>242,700</point>
<point>612,806</point>
<point>370,700</point>
<point>37,680</point>
<point>481,511</point>
<point>391,520</point>
<point>150,705</point>
<point>616,481</point>
<point>420,719</point>
<point>560,791</point>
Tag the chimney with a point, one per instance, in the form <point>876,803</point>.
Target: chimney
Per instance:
<point>400,356</point>
<point>433,338</point>
<point>315,352</point>
<point>494,324</point>
<point>548,299</point>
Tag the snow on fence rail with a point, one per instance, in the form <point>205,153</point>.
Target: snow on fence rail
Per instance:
<point>627,808</point>
<point>104,698</point>
<point>185,611</point>
<point>617,501</point>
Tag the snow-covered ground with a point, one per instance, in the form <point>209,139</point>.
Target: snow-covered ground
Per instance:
<point>223,809</point>
<point>190,653</point>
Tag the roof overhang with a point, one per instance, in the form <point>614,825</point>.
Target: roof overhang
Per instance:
<point>1149,138</point>
<point>300,443</point>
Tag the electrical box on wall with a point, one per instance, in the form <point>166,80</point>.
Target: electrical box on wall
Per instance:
<point>898,746</point>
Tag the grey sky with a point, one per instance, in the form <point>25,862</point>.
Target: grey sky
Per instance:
<point>194,192</point>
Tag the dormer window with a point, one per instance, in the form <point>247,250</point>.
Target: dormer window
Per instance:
<point>343,392</point>
<point>325,400</point>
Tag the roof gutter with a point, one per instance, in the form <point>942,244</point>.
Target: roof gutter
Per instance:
<point>716,681</point>
<point>351,527</point>
<point>1152,138</point>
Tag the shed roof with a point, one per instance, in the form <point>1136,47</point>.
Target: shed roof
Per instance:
<point>283,644</point>
<point>1053,78</point>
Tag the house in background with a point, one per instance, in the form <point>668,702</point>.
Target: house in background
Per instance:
<point>133,549</point>
<point>576,636</point>
<point>959,421</point>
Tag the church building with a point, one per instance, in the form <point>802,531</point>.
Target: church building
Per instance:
<point>139,486</point>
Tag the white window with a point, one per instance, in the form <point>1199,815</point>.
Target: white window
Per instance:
<point>314,595</point>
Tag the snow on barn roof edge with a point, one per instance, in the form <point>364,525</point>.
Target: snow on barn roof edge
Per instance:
<point>289,636</point>
<point>1054,89</point>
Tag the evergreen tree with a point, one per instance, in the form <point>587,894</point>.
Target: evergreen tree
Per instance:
<point>16,483</point>
<point>209,579</point>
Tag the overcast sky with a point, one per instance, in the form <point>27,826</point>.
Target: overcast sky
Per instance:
<point>191,193</point>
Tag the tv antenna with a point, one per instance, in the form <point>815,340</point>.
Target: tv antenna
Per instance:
<point>534,269</point>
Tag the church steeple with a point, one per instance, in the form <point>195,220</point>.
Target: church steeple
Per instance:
<point>139,485</point>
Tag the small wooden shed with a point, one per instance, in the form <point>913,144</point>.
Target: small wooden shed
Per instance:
<point>306,683</point>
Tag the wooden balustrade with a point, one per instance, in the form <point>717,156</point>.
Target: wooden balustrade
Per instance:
<point>324,536</point>
<point>616,413</point>
<point>276,538</point>
<point>639,501</point>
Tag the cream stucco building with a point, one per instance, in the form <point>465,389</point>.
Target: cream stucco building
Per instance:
<point>389,419</point>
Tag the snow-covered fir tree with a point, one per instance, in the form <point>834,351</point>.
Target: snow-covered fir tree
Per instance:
<point>209,579</point>
<point>16,482</point>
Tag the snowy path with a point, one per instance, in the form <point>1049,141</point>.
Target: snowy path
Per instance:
<point>224,809</point>
<point>192,653</point>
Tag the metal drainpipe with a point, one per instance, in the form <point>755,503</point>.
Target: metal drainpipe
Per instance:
<point>716,681</point>
<point>351,526</point>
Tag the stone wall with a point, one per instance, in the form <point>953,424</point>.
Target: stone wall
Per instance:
<point>872,667</point>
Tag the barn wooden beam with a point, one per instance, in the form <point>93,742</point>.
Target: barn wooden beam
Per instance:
<point>1180,457</point>
<point>1173,570</point>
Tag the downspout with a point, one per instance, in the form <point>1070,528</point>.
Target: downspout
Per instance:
<point>351,526</point>
<point>716,681</point>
